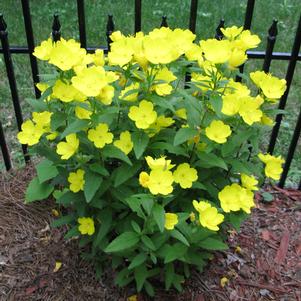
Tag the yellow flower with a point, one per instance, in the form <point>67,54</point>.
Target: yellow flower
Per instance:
<point>86,225</point>
<point>125,94</point>
<point>163,75</point>
<point>64,92</point>
<point>229,197</point>
<point>194,53</point>
<point>144,179</point>
<point>90,81</point>
<point>203,82</point>
<point>237,58</point>
<point>171,219</point>
<point>192,217</point>
<point>210,218</point>
<point>76,180</point>
<point>181,113</point>
<point>159,164</point>
<point>224,281</point>
<point>100,136</point>
<point>273,165</point>
<point>218,131</point>
<point>42,87</point>
<point>144,115</point>
<point>66,54</point>
<point>68,149</point>
<point>200,206</point>
<point>121,52</point>
<point>236,88</point>
<point>185,175</point>
<point>231,32</point>
<point>215,51</point>
<point>125,142</point>
<point>43,51</point>
<point>273,87</point>
<point>162,89</point>
<point>257,77</point>
<point>160,181</point>
<point>246,200</point>
<point>98,57</point>
<point>249,182</point>
<point>30,133</point>
<point>266,120</point>
<point>249,109</point>
<point>42,120</point>
<point>106,95</point>
<point>160,123</point>
<point>82,113</point>
<point>231,104</point>
<point>52,136</point>
<point>246,40</point>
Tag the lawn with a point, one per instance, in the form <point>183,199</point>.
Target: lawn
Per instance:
<point>209,13</point>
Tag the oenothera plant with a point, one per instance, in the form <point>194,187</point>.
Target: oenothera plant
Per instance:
<point>153,170</point>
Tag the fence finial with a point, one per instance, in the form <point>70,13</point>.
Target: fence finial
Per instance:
<point>273,31</point>
<point>56,28</point>
<point>110,29</point>
<point>164,22</point>
<point>3,25</point>
<point>218,33</point>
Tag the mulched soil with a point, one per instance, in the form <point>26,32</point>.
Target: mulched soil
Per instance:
<point>263,262</point>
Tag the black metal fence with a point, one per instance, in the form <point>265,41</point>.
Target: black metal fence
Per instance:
<point>267,56</point>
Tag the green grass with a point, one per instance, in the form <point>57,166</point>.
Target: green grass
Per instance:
<point>209,14</point>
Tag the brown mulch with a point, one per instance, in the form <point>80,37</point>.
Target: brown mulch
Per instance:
<point>263,262</point>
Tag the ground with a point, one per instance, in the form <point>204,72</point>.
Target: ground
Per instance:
<point>263,262</point>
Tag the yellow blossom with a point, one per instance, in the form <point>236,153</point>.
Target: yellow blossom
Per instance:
<point>63,91</point>
<point>236,88</point>
<point>194,53</point>
<point>98,57</point>
<point>218,131</point>
<point>248,182</point>
<point>42,120</point>
<point>237,58</point>
<point>246,40</point>
<point>100,136</point>
<point>224,281</point>
<point>273,87</point>
<point>210,218</point>
<point>86,225</point>
<point>144,115</point>
<point>231,104</point>
<point>249,109</point>
<point>273,165</point>
<point>160,182</point>
<point>215,51</point>
<point>159,164</point>
<point>30,133</point>
<point>266,120</point>
<point>43,51</point>
<point>192,217</point>
<point>185,175</point>
<point>144,179</point>
<point>130,93</point>
<point>106,95</point>
<point>82,113</point>
<point>76,180</point>
<point>181,113</point>
<point>160,123</point>
<point>229,197</point>
<point>200,206</point>
<point>231,32</point>
<point>171,219</point>
<point>68,149</point>
<point>125,142</point>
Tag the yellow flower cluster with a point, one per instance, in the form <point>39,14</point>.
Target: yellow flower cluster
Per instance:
<point>86,225</point>
<point>273,165</point>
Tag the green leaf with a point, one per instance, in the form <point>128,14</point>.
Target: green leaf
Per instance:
<point>69,197</point>
<point>236,219</point>
<point>110,151</point>
<point>98,168</point>
<point>74,127</point>
<point>148,242</point>
<point>216,103</point>
<point>175,252</point>
<point>36,191</point>
<point>92,183</point>
<point>140,140</point>
<point>122,242</point>
<point>136,227</point>
<point>72,232</point>
<point>179,236</point>
<point>140,274</point>
<point>177,150</point>
<point>37,105</point>
<point>267,197</point>
<point>105,218</point>
<point>46,171</point>
<point>137,260</point>
<point>169,275</point>
<point>67,219</point>
<point>184,134</point>
<point>159,216</point>
<point>58,119</point>
<point>211,243</point>
<point>125,172</point>
<point>198,185</point>
<point>210,160</point>
<point>149,289</point>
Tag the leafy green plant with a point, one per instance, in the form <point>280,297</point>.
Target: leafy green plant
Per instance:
<point>152,169</point>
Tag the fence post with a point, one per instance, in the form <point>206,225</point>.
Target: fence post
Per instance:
<point>289,78</point>
<point>137,15</point>
<point>4,149</point>
<point>31,45</point>
<point>164,22</point>
<point>110,29</point>
<point>193,15</point>
<point>81,23</point>
<point>11,79</point>
<point>218,33</point>
<point>56,28</point>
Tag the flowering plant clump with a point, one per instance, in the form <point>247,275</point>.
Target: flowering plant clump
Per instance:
<point>153,170</point>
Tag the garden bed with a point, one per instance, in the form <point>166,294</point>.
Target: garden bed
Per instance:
<point>263,262</point>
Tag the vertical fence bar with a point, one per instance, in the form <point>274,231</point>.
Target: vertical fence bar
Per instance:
<point>81,23</point>
<point>247,25</point>
<point>31,45</point>
<point>137,15</point>
<point>11,79</point>
<point>193,15</point>
<point>4,149</point>
<point>110,29</point>
<point>56,28</point>
<point>164,22</point>
<point>218,33</point>
<point>299,187</point>
<point>271,39</point>
<point>289,78</point>
<point>291,151</point>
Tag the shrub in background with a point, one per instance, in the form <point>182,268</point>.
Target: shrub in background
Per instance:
<point>153,174</point>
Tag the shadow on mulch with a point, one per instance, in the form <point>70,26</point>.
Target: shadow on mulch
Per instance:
<point>263,262</point>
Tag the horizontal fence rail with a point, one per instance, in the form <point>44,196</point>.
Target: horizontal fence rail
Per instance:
<point>268,55</point>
